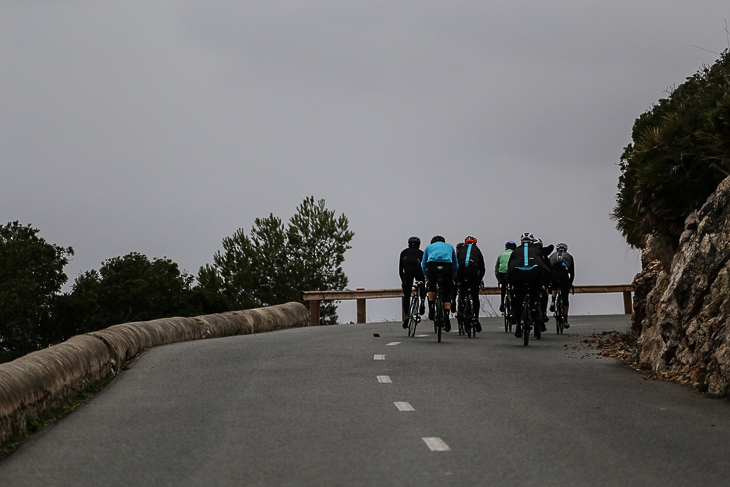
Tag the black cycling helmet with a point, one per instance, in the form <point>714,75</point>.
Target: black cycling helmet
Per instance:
<point>562,246</point>
<point>459,245</point>
<point>414,242</point>
<point>438,238</point>
<point>510,245</point>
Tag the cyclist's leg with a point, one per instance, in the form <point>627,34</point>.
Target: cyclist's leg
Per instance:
<point>448,286</point>
<point>553,293</point>
<point>502,288</point>
<point>422,293</point>
<point>475,303</point>
<point>406,284</point>
<point>564,290</point>
<point>517,288</point>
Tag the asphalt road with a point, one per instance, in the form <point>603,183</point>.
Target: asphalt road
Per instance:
<point>339,406</point>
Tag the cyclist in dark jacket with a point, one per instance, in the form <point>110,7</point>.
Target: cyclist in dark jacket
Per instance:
<point>409,268</point>
<point>561,278</point>
<point>546,251</point>
<point>471,272</point>
<point>526,266</point>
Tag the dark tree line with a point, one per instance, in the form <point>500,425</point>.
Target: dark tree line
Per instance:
<point>271,265</point>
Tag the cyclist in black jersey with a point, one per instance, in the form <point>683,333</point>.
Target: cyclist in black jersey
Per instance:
<point>526,267</point>
<point>544,295</point>
<point>561,277</point>
<point>471,272</point>
<point>409,268</point>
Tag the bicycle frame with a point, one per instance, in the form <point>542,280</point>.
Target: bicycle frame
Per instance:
<point>414,316</point>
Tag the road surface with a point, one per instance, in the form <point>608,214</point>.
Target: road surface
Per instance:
<point>339,406</point>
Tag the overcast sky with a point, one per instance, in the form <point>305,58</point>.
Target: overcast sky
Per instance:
<point>162,127</point>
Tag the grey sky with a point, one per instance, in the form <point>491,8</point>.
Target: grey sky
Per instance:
<point>163,126</point>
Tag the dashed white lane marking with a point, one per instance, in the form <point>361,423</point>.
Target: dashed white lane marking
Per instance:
<point>384,379</point>
<point>392,343</point>
<point>436,444</point>
<point>403,406</point>
<point>421,336</point>
<point>378,357</point>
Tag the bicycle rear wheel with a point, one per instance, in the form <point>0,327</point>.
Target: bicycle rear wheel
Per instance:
<point>415,316</point>
<point>507,314</point>
<point>468,318</point>
<point>526,322</point>
<point>559,317</point>
<point>439,311</point>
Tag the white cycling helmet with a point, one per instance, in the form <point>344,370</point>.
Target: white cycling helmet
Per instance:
<point>538,242</point>
<point>527,237</point>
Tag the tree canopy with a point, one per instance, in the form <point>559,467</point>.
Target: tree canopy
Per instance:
<point>125,289</point>
<point>679,154</point>
<point>274,263</point>
<point>31,276</point>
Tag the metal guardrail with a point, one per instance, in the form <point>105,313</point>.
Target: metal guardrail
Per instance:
<point>361,295</point>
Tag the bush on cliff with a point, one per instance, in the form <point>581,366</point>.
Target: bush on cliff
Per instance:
<point>680,153</point>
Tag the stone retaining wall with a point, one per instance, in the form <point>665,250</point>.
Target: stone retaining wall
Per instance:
<point>41,381</point>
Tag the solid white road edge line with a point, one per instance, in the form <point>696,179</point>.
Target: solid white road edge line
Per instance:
<point>384,379</point>
<point>436,444</point>
<point>403,406</point>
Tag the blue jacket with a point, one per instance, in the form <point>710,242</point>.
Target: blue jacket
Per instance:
<point>440,252</point>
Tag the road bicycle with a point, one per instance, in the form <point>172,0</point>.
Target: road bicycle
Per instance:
<point>559,316</point>
<point>507,312</point>
<point>440,313</point>
<point>414,316</point>
<point>466,315</point>
<point>531,318</point>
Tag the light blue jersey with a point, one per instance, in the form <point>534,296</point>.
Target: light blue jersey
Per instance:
<point>440,252</point>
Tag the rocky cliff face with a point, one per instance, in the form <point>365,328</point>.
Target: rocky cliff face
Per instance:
<point>682,301</point>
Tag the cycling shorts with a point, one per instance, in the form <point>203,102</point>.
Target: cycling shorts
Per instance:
<point>440,270</point>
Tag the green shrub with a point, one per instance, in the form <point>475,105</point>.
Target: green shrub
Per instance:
<point>679,154</point>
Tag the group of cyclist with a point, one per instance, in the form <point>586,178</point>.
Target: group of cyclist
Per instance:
<point>529,266</point>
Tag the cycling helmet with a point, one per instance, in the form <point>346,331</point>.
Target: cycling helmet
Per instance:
<point>538,242</point>
<point>438,238</point>
<point>414,242</point>
<point>470,240</point>
<point>561,246</point>
<point>510,245</point>
<point>527,237</point>
<point>459,246</point>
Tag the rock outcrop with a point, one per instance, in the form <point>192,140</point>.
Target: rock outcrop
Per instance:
<point>683,321</point>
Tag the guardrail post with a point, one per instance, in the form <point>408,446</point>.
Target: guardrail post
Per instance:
<point>314,313</point>
<point>628,304</point>
<point>361,318</point>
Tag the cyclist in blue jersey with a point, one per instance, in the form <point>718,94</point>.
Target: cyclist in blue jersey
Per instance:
<point>526,267</point>
<point>439,260</point>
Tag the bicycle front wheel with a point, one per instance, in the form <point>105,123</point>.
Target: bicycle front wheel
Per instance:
<point>526,323</point>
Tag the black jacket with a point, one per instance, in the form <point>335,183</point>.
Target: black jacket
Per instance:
<point>476,261</point>
<point>410,262</point>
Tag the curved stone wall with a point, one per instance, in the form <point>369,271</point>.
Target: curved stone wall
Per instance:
<point>41,381</point>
